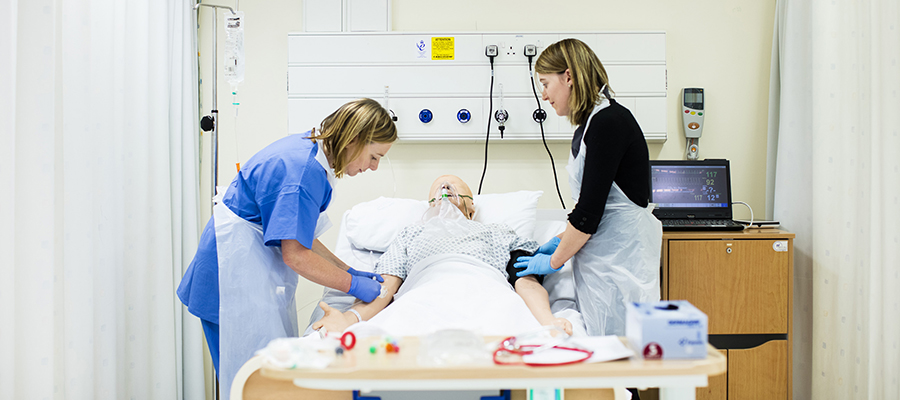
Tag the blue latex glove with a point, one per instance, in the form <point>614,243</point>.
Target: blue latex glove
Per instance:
<point>538,264</point>
<point>365,274</point>
<point>364,288</point>
<point>549,247</point>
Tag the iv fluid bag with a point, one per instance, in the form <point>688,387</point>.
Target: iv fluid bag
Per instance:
<point>234,47</point>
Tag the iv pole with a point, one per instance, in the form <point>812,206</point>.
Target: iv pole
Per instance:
<point>211,122</point>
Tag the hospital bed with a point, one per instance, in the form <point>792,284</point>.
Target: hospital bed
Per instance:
<point>366,231</point>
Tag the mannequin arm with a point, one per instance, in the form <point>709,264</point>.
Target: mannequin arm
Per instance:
<point>335,321</point>
<point>537,300</point>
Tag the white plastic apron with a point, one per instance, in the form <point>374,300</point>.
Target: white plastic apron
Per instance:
<point>256,293</point>
<point>575,168</point>
<point>620,262</point>
<point>256,288</point>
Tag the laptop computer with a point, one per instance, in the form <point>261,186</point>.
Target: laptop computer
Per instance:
<point>692,195</point>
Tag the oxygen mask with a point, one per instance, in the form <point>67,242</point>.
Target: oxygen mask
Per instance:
<point>444,217</point>
<point>447,191</point>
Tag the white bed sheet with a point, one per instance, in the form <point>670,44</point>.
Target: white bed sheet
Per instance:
<point>453,292</point>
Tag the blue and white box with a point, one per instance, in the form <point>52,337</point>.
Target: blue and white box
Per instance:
<point>666,330</point>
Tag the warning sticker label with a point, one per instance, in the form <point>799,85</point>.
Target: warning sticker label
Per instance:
<point>442,48</point>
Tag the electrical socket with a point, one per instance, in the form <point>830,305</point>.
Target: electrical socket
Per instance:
<point>491,50</point>
<point>530,50</point>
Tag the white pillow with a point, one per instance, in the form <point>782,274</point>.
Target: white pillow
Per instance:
<point>373,225</point>
<point>516,209</point>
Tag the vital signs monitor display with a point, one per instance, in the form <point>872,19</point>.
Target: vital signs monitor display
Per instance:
<point>687,185</point>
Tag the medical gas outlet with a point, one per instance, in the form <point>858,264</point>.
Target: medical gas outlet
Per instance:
<point>501,116</point>
<point>463,116</point>
<point>425,115</point>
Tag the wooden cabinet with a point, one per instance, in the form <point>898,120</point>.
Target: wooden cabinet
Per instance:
<point>760,372</point>
<point>743,281</point>
<point>718,385</point>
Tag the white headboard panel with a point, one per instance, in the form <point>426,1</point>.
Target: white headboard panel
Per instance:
<point>445,73</point>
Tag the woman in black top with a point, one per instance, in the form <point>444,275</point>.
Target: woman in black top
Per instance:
<point>612,238</point>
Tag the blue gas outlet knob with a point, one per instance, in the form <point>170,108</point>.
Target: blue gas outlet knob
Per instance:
<point>463,115</point>
<point>425,115</point>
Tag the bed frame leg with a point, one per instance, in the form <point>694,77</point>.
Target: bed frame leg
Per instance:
<point>356,396</point>
<point>504,395</point>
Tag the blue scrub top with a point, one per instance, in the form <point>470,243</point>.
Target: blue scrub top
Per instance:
<point>283,188</point>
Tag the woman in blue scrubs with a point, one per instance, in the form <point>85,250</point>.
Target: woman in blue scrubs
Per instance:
<point>263,232</point>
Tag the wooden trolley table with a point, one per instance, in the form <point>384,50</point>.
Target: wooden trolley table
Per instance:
<point>358,369</point>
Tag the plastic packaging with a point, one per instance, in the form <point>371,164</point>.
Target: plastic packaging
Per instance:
<point>451,347</point>
<point>305,352</point>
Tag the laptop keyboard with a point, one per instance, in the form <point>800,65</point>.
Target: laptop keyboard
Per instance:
<point>701,224</point>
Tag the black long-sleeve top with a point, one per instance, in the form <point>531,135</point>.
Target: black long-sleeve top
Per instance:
<point>616,152</point>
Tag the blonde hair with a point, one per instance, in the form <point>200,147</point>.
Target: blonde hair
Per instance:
<point>588,75</point>
<point>362,121</point>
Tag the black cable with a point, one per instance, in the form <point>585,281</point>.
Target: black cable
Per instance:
<point>489,115</point>
<point>543,139</point>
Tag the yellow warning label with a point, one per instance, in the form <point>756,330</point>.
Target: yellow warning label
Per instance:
<point>442,48</point>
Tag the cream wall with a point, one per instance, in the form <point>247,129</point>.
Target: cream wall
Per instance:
<point>722,46</point>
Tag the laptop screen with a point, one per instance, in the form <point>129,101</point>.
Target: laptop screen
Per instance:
<point>691,189</point>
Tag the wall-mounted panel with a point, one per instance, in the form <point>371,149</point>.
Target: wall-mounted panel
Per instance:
<point>405,73</point>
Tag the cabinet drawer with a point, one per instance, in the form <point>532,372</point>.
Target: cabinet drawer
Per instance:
<point>759,372</point>
<point>743,290</point>
<point>717,386</point>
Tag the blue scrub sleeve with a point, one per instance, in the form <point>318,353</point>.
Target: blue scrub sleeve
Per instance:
<point>291,215</point>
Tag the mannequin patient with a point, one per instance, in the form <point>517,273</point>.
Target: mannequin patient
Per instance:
<point>448,229</point>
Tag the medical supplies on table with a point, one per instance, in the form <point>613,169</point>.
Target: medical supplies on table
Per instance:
<point>666,329</point>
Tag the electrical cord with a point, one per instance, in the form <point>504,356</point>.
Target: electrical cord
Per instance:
<point>748,207</point>
<point>487,137</point>
<point>543,139</point>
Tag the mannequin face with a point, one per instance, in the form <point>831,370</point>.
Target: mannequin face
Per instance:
<point>464,204</point>
<point>368,159</point>
<point>555,89</point>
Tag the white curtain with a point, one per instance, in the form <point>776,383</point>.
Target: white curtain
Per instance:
<point>98,170</point>
<point>835,182</point>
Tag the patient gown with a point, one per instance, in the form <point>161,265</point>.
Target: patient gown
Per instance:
<point>490,243</point>
<point>453,282</point>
